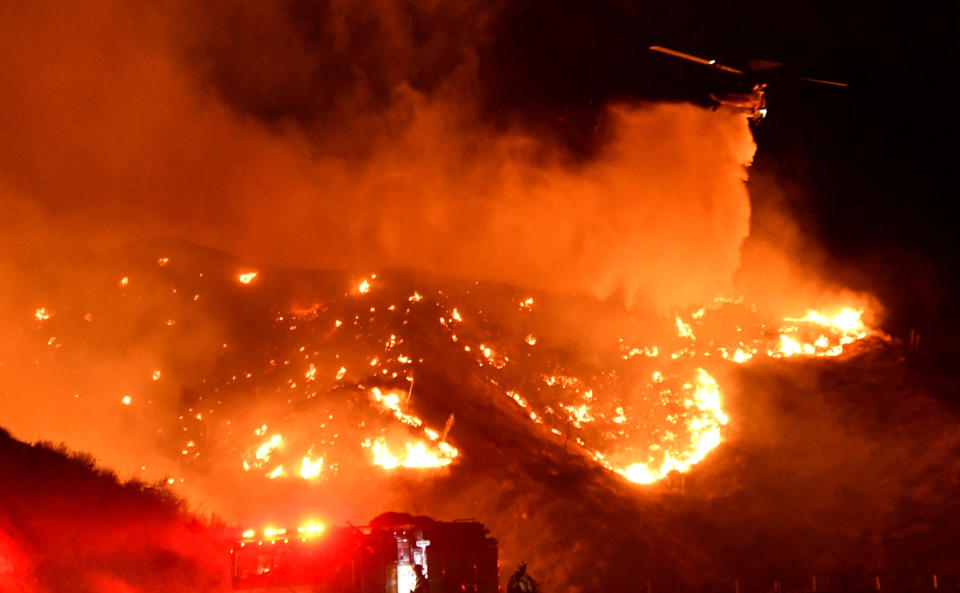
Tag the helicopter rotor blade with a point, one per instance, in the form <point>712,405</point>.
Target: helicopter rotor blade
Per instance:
<point>821,81</point>
<point>693,58</point>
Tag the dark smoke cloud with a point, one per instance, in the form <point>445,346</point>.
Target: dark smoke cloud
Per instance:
<point>334,134</point>
<point>333,68</point>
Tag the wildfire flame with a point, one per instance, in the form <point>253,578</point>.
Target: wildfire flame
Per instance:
<point>417,455</point>
<point>641,410</point>
<point>607,431</point>
<point>311,469</point>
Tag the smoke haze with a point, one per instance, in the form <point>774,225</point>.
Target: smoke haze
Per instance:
<point>334,135</point>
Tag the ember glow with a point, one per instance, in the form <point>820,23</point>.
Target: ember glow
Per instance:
<point>333,383</point>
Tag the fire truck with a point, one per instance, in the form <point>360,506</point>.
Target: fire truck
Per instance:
<point>456,557</point>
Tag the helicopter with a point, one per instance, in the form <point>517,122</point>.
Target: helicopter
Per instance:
<point>751,102</point>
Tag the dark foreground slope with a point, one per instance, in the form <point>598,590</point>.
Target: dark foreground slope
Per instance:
<point>66,525</point>
<point>845,470</point>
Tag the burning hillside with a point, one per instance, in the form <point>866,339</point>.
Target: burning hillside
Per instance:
<point>313,374</point>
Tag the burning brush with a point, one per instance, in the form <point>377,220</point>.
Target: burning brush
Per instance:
<point>308,382</point>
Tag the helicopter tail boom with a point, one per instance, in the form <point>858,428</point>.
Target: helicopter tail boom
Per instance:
<point>821,81</point>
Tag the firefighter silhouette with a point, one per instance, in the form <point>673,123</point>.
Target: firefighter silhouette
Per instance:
<point>521,582</point>
<point>422,585</point>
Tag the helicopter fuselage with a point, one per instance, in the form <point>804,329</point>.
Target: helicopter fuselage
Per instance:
<point>752,103</point>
